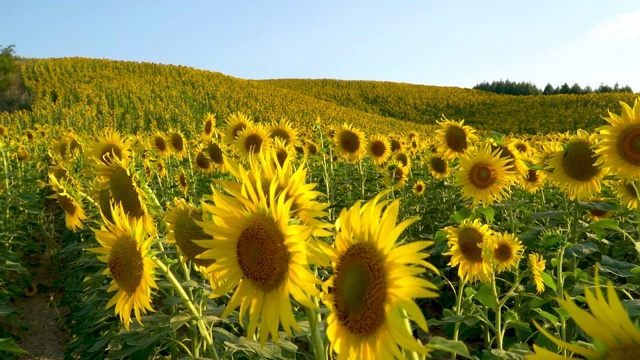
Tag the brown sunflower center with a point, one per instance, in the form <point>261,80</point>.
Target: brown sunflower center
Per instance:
<point>312,149</point>
<point>107,153</point>
<point>629,144</point>
<point>349,141</point>
<point>483,175</point>
<point>438,164</point>
<point>104,200</point>
<point>360,289</point>
<point>378,148</point>
<point>208,127</point>
<point>185,230</point>
<point>598,213</point>
<point>177,142</point>
<point>125,192</point>
<point>281,156</point>
<point>126,263</point>
<point>522,147</point>
<point>532,176</point>
<point>253,143</point>
<point>503,252</point>
<point>456,138</point>
<point>280,133</point>
<point>202,162</point>
<point>631,190</point>
<point>236,129</point>
<point>622,351</point>
<point>419,188</point>
<point>183,181</point>
<point>578,161</point>
<point>262,254</point>
<point>468,240</point>
<point>160,144</point>
<point>398,174</point>
<point>402,157</point>
<point>215,153</point>
<point>67,204</point>
<point>395,145</point>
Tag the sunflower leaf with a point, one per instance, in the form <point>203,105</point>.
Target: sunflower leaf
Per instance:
<point>450,346</point>
<point>9,345</point>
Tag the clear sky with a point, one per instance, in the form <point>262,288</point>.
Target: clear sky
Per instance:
<point>439,42</point>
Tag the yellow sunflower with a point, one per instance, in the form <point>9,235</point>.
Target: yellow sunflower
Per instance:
<point>202,162</point>
<point>483,176</point>
<point>284,131</point>
<point>177,143</point>
<point>595,214</point>
<point>396,175</point>
<point>396,145</point>
<point>467,244</point>
<point>419,187</point>
<point>619,148</point>
<point>125,248</point>
<point>216,154</point>
<point>259,255</point>
<point>612,333</point>
<point>537,266</point>
<point>182,181</point>
<point>183,229</point>
<point>282,151</point>
<point>374,282</point>
<point>235,123</point>
<point>402,158</point>
<point>574,169</point>
<point>521,146</point>
<point>350,142</point>
<point>107,147</point>
<point>159,144</point>
<point>252,141</point>
<point>513,157</point>
<point>438,167</point>
<point>209,126</point>
<point>453,138</point>
<point>378,149</point>
<point>533,178</point>
<point>73,212</point>
<point>506,251</point>
<point>627,191</point>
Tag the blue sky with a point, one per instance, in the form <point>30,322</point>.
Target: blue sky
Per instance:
<point>447,43</point>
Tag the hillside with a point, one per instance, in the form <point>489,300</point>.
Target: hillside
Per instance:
<point>482,110</point>
<point>132,97</point>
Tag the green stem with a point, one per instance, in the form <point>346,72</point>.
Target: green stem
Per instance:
<point>498,310</point>
<point>316,337</point>
<point>189,304</point>
<point>456,328</point>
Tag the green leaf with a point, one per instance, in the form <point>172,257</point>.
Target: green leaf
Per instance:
<point>599,227</point>
<point>598,205</point>
<point>581,250</point>
<point>552,318</point>
<point>484,295</point>
<point>179,320</point>
<point>546,214</point>
<point>460,215</point>
<point>8,345</point>
<point>632,307</point>
<point>620,268</point>
<point>548,280</point>
<point>450,346</point>
<point>488,213</point>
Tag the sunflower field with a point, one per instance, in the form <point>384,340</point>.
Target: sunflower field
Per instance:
<point>187,214</point>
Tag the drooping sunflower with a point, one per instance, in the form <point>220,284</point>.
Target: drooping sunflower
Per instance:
<point>396,175</point>
<point>506,251</point>
<point>183,229</point>
<point>107,147</point>
<point>467,244</point>
<point>125,248</point>
<point>483,176</point>
<point>536,266</point>
<point>235,123</point>
<point>159,144</point>
<point>453,138</point>
<point>260,255</point>
<point>252,141</point>
<point>371,292</point>
<point>177,143</point>
<point>438,167</point>
<point>612,333</point>
<point>350,142</point>
<point>574,169</point>
<point>378,149</point>
<point>419,187</point>
<point>619,148</point>
<point>627,191</point>
<point>73,212</point>
<point>285,131</point>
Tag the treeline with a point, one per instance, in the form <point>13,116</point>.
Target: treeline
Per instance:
<point>526,88</point>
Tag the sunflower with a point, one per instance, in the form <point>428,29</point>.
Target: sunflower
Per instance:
<point>506,251</point>
<point>438,167</point>
<point>350,142</point>
<point>183,229</point>
<point>613,334</point>
<point>402,158</point>
<point>419,187</point>
<point>537,265</point>
<point>202,162</point>
<point>396,145</point>
<point>627,191</point>
<point>125,248</point>
<point>177,143</point>
<point>619,148</point>
<point>235,123</point>
<point>574,168</point>
<point>453,138</point>
<point>107,147</point>
<point>73,212</point>
<point>396,175</point>
<point>483,176</point>
<point>378,149</point>
<point>311,149</point>
<point>601,212</point>
<point>216,154</point>
<point>159,144</point>
<point>283,130</point>
<point>544,155</point>
<point>509,153</point>
<point>467,244</point>
<point>521,146</point>
<point>209,126</point>
<point>374,282</point>
<point>260,255</point>
<point>282,151</point>
<point>160,168</point>
<point>253,140</point>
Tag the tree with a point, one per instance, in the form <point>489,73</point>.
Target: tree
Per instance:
<point>7,66</point>
<point>548,90</point>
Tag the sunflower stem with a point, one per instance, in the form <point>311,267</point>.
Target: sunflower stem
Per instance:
<point>316,337</point>
<point>189,304</point>
<point>456,327</point>
<point>498,310</point>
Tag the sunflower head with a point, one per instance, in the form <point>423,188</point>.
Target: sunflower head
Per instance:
<point>236,123</point>
<point>177,143</point>
<point>284,131</point>
<point>619,148</point>
<point>438,166</point>
<point>350,142</point>
<point>468,243</point>
<point>536,266</point>
<point>378,149</point>
<point>209,126</point>
<point>627,191</point>
<point>453,138</point>
<point>506,252</point>
<point>107,147</point>
<point>183,221</point>
<point>73,212</point>
<point>159,144</point>
<point>216,153</point>
<point>252,141</point>
<point>396,175</point>
<point>419,187</point>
